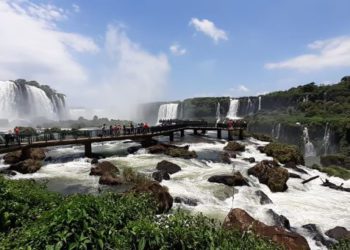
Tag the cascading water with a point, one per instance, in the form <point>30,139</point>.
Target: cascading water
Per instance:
<point>23,101</point>
<point>276,130</point>
<point>167,111</point>
<point>233,110</point>
<point>309,149</point>
<point>259,106</point>
<point>326,139</point>
<point>218,115</point>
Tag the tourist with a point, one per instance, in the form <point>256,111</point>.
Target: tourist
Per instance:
<point>110,130</point>
<point>145,128</point>
<point>103,130</point>
<point>17,135</point>
<point>8,138</point>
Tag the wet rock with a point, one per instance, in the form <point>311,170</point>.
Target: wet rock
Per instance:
<point>12,157</point>
<point>181,153</point>
<point>168,167</point>
<point>7,172</point>
<point>264,199</point>
<point>234,146</point>
<point>279,220</point>
<point>27,166</point>
<point>110,179</point>
<point>317,235</point>
<point>225,158</point>
<point>240,220</point>
<point>230,180</point>
<point>157,149</point>
<point>250,159</point>
<point>284,153</point>
<point>292,175</point>
<point>338,233</point>
<point>160,175</point>
<point>103,168</point>
<point>261,149</point>
<point>37,154</point>
<point>160,193</point>
<point>94,161</point>
<point>148,143</point>
<point>133,149</point>
<point>274,177</point>
<point>186,200</point>
<point>293,166</point>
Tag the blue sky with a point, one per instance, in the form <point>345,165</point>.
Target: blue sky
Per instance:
<point>138,51</point>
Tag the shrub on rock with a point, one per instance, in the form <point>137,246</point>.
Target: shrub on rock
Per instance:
<point>284,153</point>
<point>234,146</point>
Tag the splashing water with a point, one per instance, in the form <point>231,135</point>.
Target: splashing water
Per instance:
<point>167,111</point>
<point>218,115</point>
<point>309,149</point>
<point>233,110</point>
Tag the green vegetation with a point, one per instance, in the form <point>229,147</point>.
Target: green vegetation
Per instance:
<point>33,218</point>
<point>342,245</point>
<point>284,153</point>
<point>205,107</point>
<point>333,171</point>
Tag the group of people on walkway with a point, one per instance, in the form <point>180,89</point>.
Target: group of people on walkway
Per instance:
<point>117,129</point>
<point>12,137</point>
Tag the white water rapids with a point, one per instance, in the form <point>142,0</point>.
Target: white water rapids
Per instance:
<point>301,204</point>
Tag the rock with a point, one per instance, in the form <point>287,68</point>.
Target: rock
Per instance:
<point>338,233</point>
<point>279,220</point>
<point>148,143</point>
<point>94,161</point>
<point>250,159</point>
<point>12,157</point>
<point>234,146</point>
<point>160,193</point>
<point>225,158</point>
<point>37,154</point>
<point>7,172</point>
<point>274,177</point>
<point>317,235</point>
<point>230,180</point>
<point>157,149</point>
<point>261,149</point>
<point>187,201</point>
<point>264,199</point>
<point>284,153</point>
<point>240,220</point>
<point>133,149</point>
<point>104,168</point>
<point>292,175</point>
<point>160,175</point>
<point>181,153</point>
<point>110,179</point>
<point>168,167</point>
<point>27,166</point>
<point>293,166</point>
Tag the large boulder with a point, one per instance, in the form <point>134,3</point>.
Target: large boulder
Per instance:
<point>159,193</point>
<point>284,153</point>
<point>37,154</point>
<point>273,176</point>
<point>133,149</point>
<point>181,152</point>
<point>160,175</point>
<point>27,166</point>
<point>240,220</point>
<point>12,157</point>
<point>338,233</point>
<point>157,149</point>
<point>263,198</point>
<point>103,168</point>
<point>234,146</point>
<point>110,179</point>
<point>168,167</point>
<point>230,180</point>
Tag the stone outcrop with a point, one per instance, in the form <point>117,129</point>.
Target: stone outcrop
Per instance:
<point>159,193</point>
<point>240,220</point>
<point>133,149</point>
<point>110,179</point>
<point>338,233</point>
<point>168,167</point>
<point>25,161</point>
<point>317,235</point>
<point>284,153</point>
<point>273,176</point>
<point>27,166</point>
<point>160,175</point>
<point>226,157</point>
<point>279,220</point>
<point>230,180</point>
<point>186,200</point>
<point>173,151</point>
<point>234,146</point>
<point>263,198</point>
<point>103,168</point>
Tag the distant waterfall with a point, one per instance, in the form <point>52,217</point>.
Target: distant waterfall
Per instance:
<point>276,130</point>
<point>23,101</point>
<point>233,110</point>
<point>308,146</point>
<point>218,115</point>
<point>167,111</point>
<point>259,106</point>
<point>326,139</point>
<point>249,107</point>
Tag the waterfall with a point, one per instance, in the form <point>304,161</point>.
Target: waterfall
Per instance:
<point>276,130</point>
<point>218,113</point>
<point>326,139</point>
<point>259,107</point>
<point>249,106</point>
<point>232,112</point>
<point>309,149</point>
<point>20,101</point>
<point>167,111</point>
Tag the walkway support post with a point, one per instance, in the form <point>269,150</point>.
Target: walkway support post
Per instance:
<point>182,131</point>
<point>195,132</point>
<point>240,135</point>
<point>230,134</point>
<point>203,131</point>
<point>219,133</point>
<point>171,136</point>
<point>88,151</point>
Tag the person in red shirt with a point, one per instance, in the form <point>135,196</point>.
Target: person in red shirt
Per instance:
<point>17,135</point>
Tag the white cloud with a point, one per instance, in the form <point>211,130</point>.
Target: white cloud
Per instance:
<point>177,50</point>
<point>240,89</point>
<point>208,28</point>
<point>76,8</point>
<point>333,52</point>
<point>32,47</point>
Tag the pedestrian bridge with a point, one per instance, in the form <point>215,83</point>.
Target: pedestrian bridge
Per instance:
<point>45,140</point>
